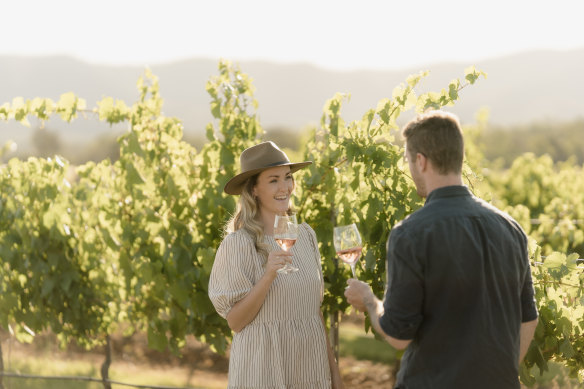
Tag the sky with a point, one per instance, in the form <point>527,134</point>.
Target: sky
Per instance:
<point>338,35</point>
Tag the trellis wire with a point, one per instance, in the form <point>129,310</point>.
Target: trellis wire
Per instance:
<point>89,379</point>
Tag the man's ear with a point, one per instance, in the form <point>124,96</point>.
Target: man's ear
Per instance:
<point>421,162</point>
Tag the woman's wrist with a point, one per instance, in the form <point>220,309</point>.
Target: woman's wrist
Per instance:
<point>269,276</point>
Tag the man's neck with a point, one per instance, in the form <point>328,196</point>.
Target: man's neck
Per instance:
<point>440,181</point>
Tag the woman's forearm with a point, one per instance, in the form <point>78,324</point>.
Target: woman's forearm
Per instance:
<point>246,309</point>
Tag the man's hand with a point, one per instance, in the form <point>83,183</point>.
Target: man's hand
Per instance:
<point>359,294</point>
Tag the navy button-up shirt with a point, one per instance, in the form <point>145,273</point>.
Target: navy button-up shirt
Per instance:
<point>459,285</point>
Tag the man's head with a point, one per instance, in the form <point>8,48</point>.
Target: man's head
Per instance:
<point>435,150</point>
<point>437,136</point>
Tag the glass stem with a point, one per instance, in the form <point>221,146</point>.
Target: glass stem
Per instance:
<point>353,270</point>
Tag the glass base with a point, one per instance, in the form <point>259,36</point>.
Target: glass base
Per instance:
<point>287,269</point>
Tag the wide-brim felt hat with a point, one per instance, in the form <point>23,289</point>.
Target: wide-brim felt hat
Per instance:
<point>255,159</point>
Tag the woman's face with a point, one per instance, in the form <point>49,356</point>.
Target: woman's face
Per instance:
<point>273,189</point>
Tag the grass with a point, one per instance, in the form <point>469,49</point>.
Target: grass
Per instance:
<point>354,342</point>
<point>50,367</point>
<point>121,371</point>
<point>47,361</point>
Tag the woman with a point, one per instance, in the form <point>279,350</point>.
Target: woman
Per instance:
<point>280,339</point>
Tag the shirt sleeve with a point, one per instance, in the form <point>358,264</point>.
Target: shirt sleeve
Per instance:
<point>528,303</point>
<point>232,273</point>
<point>404,294</point>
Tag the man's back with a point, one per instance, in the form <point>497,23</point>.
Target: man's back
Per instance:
<point>459,285</point>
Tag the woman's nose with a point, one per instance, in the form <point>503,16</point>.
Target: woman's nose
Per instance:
<point>285,185</point>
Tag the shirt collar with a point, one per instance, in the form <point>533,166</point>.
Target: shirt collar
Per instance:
<point>448,191</point>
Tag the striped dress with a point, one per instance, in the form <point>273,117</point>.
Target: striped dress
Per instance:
<point>284,346</point>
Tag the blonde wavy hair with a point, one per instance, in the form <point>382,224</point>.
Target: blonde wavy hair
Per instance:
<point>247,217</point>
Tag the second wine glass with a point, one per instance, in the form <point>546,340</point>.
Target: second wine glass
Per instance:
<point>348,244</point>
<point>285,234</point>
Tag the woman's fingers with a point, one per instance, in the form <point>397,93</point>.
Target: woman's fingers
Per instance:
<point>283,256</point>
<point>282,260</point>
<point>277,260</point>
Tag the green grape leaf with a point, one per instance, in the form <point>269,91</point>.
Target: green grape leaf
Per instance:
<point>156,338</point>
<point>134,176</point>
<point>566,349</point>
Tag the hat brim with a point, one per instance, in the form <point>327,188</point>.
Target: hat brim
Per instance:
<point>235,185</point>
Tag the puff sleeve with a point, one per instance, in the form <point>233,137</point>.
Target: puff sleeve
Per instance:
<point>232,273</point>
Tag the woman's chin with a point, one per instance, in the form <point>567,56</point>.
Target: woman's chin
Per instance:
<point>283,208</point>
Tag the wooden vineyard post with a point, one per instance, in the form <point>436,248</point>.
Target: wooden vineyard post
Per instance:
<point>106,364</point>
<point>1,368</point>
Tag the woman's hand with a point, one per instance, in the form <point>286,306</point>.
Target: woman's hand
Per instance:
<point>276,260</point>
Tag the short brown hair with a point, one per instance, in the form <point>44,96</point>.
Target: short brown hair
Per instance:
<point>438,136</point>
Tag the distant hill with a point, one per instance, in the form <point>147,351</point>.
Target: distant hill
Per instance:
<point>520,88</point>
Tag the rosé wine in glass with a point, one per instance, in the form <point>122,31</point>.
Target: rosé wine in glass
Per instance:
<point>286,244</point>
<point>348,245</point>
<point>285,234</point>
<point>350,256</point>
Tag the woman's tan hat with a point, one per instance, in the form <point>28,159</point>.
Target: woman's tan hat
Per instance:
<point>257,158</point>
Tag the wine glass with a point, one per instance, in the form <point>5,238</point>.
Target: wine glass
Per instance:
<point>285,234</point>
<point>348,244</point>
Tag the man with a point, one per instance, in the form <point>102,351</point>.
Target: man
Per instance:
<point>459,291</point>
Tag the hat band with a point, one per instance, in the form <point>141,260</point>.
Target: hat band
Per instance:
<point>267,166</point>
<point>278,163</point>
